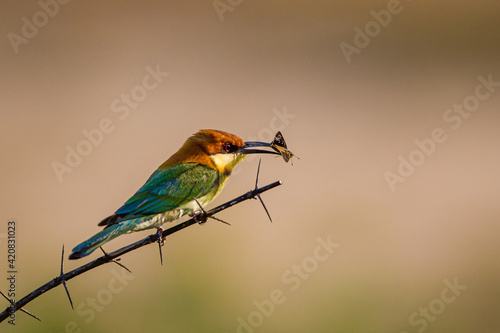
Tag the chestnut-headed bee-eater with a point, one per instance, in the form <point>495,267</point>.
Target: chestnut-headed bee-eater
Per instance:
<point>193,176</point>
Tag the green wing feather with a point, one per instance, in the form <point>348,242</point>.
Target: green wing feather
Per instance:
<point>167,189</point>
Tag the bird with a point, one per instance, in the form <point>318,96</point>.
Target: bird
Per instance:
<point>185,183</point>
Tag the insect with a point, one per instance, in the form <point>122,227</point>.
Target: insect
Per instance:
<point>279,145</point>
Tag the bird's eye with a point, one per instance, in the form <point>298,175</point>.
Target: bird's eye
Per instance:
<point>227,147</point>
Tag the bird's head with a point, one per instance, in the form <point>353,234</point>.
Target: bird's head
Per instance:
<point>217,149</point>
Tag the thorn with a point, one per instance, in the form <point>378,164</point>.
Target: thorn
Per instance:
<point>161,241</point>
<point>257,177</point>
<point>62,260</point>
<point>262,202</point>
<point>258,195</point>
<point>121,265</point>
<point>30,314</point>
<point>203,218</point>
<point>1,293</point>
<point>63,281</point>
<point>161,254</point>
<point>217,219</point>
<point>67,293</point>
<point>21,309</point>
<point>116,261</point>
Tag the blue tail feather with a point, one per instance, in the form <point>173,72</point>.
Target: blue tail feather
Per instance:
<point>104,236</point>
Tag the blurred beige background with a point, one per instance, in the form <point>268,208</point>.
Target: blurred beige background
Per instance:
<point>350,124</point>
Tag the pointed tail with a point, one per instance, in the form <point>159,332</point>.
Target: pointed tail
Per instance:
<point>104,236</point>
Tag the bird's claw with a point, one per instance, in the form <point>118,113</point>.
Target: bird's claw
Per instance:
<point>200,216</point>
<point>161,239</point>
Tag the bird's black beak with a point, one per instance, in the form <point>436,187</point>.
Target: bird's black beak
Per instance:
<point>250,146</point>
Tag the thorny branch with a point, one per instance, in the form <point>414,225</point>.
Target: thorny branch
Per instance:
<point>112,257</point>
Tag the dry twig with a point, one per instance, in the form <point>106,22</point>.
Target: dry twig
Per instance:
<point>112,257</point>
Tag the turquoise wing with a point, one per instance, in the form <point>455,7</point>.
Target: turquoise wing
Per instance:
<point>167,189</point>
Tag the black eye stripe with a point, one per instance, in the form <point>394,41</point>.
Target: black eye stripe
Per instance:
<point>227,147</point>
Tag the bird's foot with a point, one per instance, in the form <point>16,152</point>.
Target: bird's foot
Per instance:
<point>200,216</point>
<point>161,239</point>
